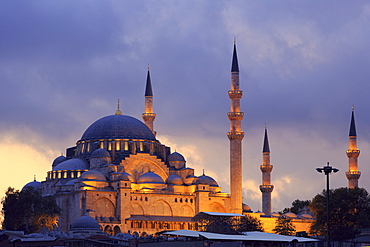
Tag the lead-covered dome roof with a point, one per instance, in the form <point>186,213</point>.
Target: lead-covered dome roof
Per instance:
<point>71,164</point>
<point>92,175</point>
<point>100,153</point>
<point>206,180</point>
<point>149,177</point>
<point>175,157</point>
<point>85,223</point>
<point>118,127</point>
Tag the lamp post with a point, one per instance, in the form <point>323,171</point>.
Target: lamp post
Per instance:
<point>327,170</point>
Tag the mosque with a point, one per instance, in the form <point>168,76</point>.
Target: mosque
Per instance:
<point>126,179</point>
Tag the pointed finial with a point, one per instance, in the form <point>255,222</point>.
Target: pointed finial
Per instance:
<point>203,172</point>
<point>353,107</point>
<point>234,40</point>
<point>266,146</point>
<point>34,178</point>
<point>352,128</point>
<point>148,67</point>
<point>118,112</point>
<point>265,126</point>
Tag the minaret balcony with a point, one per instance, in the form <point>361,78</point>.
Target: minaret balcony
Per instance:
<point>353,153</point>
<point>266,188</point>
<point>235,94</point>
<point>353,175</point>
<point>236,135</point>
<point>148,116</point>
<point>266,168</point>
<point>235,115</point>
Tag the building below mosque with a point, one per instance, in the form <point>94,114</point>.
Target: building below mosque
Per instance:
<point>130,181</point>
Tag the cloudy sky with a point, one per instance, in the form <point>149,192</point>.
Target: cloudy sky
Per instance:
<point>303,64</point>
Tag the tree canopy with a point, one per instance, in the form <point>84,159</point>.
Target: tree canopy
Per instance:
<point>284,226</point>
<point>227,225</point>
<point>28,211</point>
<point>349,212</point>
<point>297,206</point>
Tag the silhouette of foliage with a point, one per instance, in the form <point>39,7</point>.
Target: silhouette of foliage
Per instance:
<point>349,212</point>
<point>297,206</point>
<point>227,224</point>
<point>28,211</point>
<point>284,226</point>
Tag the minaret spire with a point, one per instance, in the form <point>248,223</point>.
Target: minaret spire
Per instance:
<point>266,187</point>
<point>149,115</point>
<point>353,175</point>
<point>235,136</point>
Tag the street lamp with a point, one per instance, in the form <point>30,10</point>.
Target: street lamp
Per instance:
<point>327,170</point>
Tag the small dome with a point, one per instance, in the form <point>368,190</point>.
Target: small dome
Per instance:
<point>259,212</point>
<point>306,216</point>
<point>71,164</point>
<point>174,179</point>
<point>92,175</point>
<point>246,208</point>
<point>85,223</point>
<point>125,177</point>
<point>149,177</point>
<point>190,179</point>
<point>291,215</point>
<point>175,157</point>
<point>100,153</point>
<point>34,184</point>
<point>206,180</point>
<point>59,160</point>
<point>274,214</point>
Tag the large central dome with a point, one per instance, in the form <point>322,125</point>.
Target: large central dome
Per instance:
<point>118,127</point>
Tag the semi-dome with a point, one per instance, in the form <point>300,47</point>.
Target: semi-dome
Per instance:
<point>118,127</point>
<point>174,179</point>
<point>175,157</point>
<point>149,177</point>
<point>100,153</point>
<point>34,184</point>
<point>71,164</point>
<point>206,180</point>
<point>92,175</point>
<point>59,160</point>
<point>85,223</point>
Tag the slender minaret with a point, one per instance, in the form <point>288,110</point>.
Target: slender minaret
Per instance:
<point>149,116</point>
<point>353,174</point>
<point>235,136</point>
<point>266,187</point>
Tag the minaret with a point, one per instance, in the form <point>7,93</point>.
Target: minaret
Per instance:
<point>235,136</point>
<point>149,116</point>
<point>266,168</point>
<point>353,174</point>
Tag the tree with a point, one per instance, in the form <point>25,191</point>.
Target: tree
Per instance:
<point>297,206</point>
<point>227,224</point>
<point>349,212</point>
<point>250,223</point>
<point>28,211</point>
<point>284,226</point>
